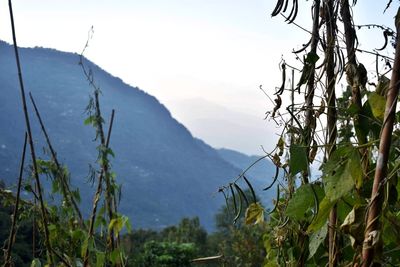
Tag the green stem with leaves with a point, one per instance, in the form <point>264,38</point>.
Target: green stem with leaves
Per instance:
<point>61,175</point>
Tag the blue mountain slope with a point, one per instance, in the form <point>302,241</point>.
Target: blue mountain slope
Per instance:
<point>165,173</point>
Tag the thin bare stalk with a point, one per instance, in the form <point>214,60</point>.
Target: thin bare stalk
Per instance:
<point>330,17</point>
<point>13,230</point>
<point>107,145</point>
<point>64,184</point>
<point>372,228</point>
<point>30,139</point>
<point>290,177</point>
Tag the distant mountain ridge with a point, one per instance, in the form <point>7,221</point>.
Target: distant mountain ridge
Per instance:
<point>165,173</point>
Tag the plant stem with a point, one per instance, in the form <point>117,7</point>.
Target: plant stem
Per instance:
<point>330,17</point>
<point>13,231</point>
<point>64,184</point>
<point>309,97</point>
<point>372,228</point>
<point>30,139</point>
<point>97,198</point>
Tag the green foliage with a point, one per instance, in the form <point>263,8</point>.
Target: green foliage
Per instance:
<point>163,254</point>
<point>64,238</point>
<point>240,244</point>
<point>341,172</point>
<point>172,246</point>
<point>316,239</point>
<point>298,159</point>
<point>377,103</point>
<point>301,204</point>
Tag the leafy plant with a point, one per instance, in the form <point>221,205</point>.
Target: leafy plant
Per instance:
<point>340,216</point>
<point>65,239</point>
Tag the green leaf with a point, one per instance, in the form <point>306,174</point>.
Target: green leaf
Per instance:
<point>76,195</point>
<point>323,211</point>
<point>254,214</point>
<point>378,104</point>
<point>341,172</point>
<point>368,124</point>
<point>339,184</point>
<point>356,168</point>
<point>52,227</point>
<point>115,256</point>
<point>353,110</point>
<point>298,159</point>
<point>110,152</point>
<point>338,158</point>
<point>36,263</point>
<point>390,230</point>
<point>89,120</point>
<point>128,225</point>
<point>353,224</point>
<point>312,58</point>
<point>86,245</point>
<point>316,239</point>
<point>28,188</point>
<point>100,259</point>
<point>100,221</point>
<point>77,235</point>
<point>118,223</point>
<point>302,201</point>
<point>383,85</point>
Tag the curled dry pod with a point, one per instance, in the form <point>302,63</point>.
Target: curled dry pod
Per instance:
<point>278,7</point>
<point>277,200</point>
<point>278,102</point>
<point>241,193</point>
<point>251,189</point>
<point>275,178</point>
<point>386,34</point>
<point>282,88</point>
<point>303,48</point>
<point>293,13</point>
<point>313,151</point>
<point>238,211</point>
<point>233,198</point>
<point>225,197</point>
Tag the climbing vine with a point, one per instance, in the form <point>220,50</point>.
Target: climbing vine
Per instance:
<point>337,159</point>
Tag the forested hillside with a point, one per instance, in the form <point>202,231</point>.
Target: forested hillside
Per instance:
<point>155,156</point>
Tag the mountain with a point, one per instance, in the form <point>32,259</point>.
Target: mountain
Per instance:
<point>231,128</point>
<point>165,172</point>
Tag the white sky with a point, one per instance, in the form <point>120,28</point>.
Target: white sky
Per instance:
<point>203,59</point>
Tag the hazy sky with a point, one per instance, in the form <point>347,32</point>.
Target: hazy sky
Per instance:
<point>203,59</point>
